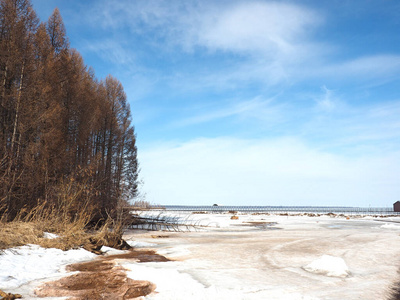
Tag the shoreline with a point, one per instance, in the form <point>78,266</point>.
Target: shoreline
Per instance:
<point>259,256</point>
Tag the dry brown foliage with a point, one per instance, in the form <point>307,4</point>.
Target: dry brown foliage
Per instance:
<point>70,225</point>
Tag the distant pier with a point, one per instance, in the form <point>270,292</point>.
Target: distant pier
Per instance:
<point>281,209</point>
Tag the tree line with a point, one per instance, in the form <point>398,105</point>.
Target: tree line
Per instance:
<point>63,132</point>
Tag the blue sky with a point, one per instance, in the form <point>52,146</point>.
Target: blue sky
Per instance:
<point>253,102</point>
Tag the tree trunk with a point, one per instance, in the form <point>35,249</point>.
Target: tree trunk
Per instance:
<point>17,109</point>
<point>12,177</point>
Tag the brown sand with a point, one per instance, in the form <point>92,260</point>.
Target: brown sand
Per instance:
<point>102,279</point>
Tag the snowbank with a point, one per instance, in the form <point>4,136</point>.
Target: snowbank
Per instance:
<point>329,266</point>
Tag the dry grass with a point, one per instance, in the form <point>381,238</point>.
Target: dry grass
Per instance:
<point>141,204</point>
<point>17,234</point>
<point>71,235</point>
<point>68,219</point>
<point>31,228</point>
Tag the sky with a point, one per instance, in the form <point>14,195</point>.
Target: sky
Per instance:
<point>253,102</point>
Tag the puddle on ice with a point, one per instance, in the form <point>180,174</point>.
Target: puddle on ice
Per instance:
<point>259,225</point>
<point>335,226</point>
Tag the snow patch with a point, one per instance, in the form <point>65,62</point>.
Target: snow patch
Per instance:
<point>136,244</point>
<point>23,264</point>
<point>51,236</point>
<point>390,226</point>
<point>329,266</point>
<point>111,251</point>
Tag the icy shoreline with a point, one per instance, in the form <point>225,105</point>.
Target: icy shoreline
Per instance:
<point>291,257</point>
<point>298,257</point>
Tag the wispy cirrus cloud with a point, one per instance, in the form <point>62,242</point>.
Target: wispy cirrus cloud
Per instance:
<point>111,50</point>
<point>256,108</point>
<point>327,101</point>
<point>272,46</point>
<point>269,29</point>
<point>272,42</point>
<point>380,68</point>
<point>352,129</point>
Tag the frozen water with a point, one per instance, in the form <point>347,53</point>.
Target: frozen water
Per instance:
<point>240,259</point>
<point>325,257</point>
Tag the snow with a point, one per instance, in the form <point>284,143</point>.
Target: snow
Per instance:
<point>136,244</point>
<point>48,235</point>
<point>329,266</point>
<point>391,226</point>
<point>22,265</point>
<point>293,257</point>
<point>111,251</point>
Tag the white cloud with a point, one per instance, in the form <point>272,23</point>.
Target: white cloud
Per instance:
<point>266,172</point>
<point>268,28</point>
<point>273,42</point>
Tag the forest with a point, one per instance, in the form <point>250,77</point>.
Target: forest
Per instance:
<point>66,137</point>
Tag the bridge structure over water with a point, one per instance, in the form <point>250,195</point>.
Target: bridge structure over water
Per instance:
<point>281,209</point>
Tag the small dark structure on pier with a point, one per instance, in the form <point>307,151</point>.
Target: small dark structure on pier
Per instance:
<point>396,206</point>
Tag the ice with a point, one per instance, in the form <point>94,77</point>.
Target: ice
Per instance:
<point>329,266</point>
<point>297,257</point>
<point>173,283</point>
<point>178,251</point>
